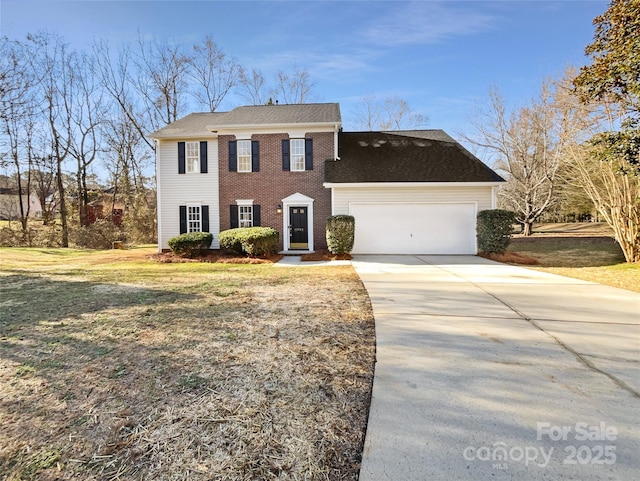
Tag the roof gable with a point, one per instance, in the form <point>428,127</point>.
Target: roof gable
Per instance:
<point>405,156</point>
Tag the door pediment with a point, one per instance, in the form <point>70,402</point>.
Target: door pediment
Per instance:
<point>297,198</point>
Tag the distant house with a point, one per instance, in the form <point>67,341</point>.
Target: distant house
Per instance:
<point>10,205</point>
<point>291,166</point>
<point>99,210</point>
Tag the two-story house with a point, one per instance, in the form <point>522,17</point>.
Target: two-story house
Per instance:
<point>291,166</point>
<point>252,166</point>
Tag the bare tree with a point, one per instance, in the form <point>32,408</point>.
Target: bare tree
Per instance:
<point>117,79</point>
<point>18,114</point>
<point>252,87</point>
<point>213,72</point>
<point>88,112</point>
<point>294,88</point>
<point>600,167</point>
<point>161,81</point>
<point>390,113</point>
<point>54,61</point>
<point>615,195</point>
<point>529,144</point>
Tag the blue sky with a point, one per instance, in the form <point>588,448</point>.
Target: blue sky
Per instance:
<point>440,56</point>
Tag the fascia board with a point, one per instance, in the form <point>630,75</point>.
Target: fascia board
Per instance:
<point>331,185</point>
<point>315,126</point>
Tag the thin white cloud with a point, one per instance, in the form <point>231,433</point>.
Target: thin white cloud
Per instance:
<point>420,23</point>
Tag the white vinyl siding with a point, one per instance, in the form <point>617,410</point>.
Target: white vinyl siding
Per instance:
<point>175,190</point>
<point>297,154</point>
<point>343,196</point>
<point>192,151</point>
<point>244,156</point>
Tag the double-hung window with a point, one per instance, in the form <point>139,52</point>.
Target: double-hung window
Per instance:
<point>244,156</point>
<point>297,155</point>
<point>192,157</point>
<point>194,218</point>
<point>245,215</point>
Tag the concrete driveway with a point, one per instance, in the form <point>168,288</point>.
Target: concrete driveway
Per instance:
<point>488,371</point>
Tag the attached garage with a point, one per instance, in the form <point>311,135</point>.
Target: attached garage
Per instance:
<point>411,192</point>
<point>414,228</point>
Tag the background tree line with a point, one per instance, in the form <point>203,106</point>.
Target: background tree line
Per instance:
<point>64,111</point>
<point>575,147</point>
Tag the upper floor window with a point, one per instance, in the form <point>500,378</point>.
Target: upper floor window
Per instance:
<point>244,156</point>
<point>297,155</point>
<point>193,157</point>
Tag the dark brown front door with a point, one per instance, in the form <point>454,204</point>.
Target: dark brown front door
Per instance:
<point>298,233</point>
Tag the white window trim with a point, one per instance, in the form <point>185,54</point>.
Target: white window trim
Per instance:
<point>194,206</point>
<point>238,142</point>
<point>196,164</point>
<point>291,161</point>
<point>244,203</point>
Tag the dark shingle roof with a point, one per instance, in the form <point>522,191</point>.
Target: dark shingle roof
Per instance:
<point>203,123</point>
<point>407,156</point>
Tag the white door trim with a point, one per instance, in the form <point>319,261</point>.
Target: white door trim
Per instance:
<point>296,200</point>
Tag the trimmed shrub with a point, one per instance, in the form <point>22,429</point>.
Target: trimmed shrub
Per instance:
<point>494,229</point>
<point>252,241</point>
<point>191,243</point>
<point>340,233</point>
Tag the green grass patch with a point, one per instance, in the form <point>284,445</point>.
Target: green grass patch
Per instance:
<point>584,256</point>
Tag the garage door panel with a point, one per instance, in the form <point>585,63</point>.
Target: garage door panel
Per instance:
<point>414,228</point>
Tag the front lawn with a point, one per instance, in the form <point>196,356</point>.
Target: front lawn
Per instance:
<point>115,366</point>
<point>584,251</point>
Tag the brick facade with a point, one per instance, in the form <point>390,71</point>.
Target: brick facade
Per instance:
<point>271,184</point>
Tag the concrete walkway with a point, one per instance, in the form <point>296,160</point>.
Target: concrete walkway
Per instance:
<point>488,371</point>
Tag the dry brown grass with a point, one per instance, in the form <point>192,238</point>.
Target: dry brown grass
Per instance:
<point>585,251</point>
<point>114,366</point>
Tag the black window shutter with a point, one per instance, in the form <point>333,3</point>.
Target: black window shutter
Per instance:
<point>233,157</point>
<point>233,210</point>
<point>183,219</point>
<point>203,158</point>
<point>256,215</point>
<point>255,156</point>
<point>308,154</point>
<point>181,158</point>
<point>286,163</point>
<point>204,215</point>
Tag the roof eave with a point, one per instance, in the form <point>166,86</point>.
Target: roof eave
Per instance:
<point>178,136</point>
<point>330,185</point>
<point>232,127</point>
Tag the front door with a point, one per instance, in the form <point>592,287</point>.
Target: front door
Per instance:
<point>298,230</point>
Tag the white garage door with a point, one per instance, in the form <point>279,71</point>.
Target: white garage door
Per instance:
<point>414,228</point>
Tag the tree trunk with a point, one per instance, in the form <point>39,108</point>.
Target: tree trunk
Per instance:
<point>527,228</point>
<point>63,206</point>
